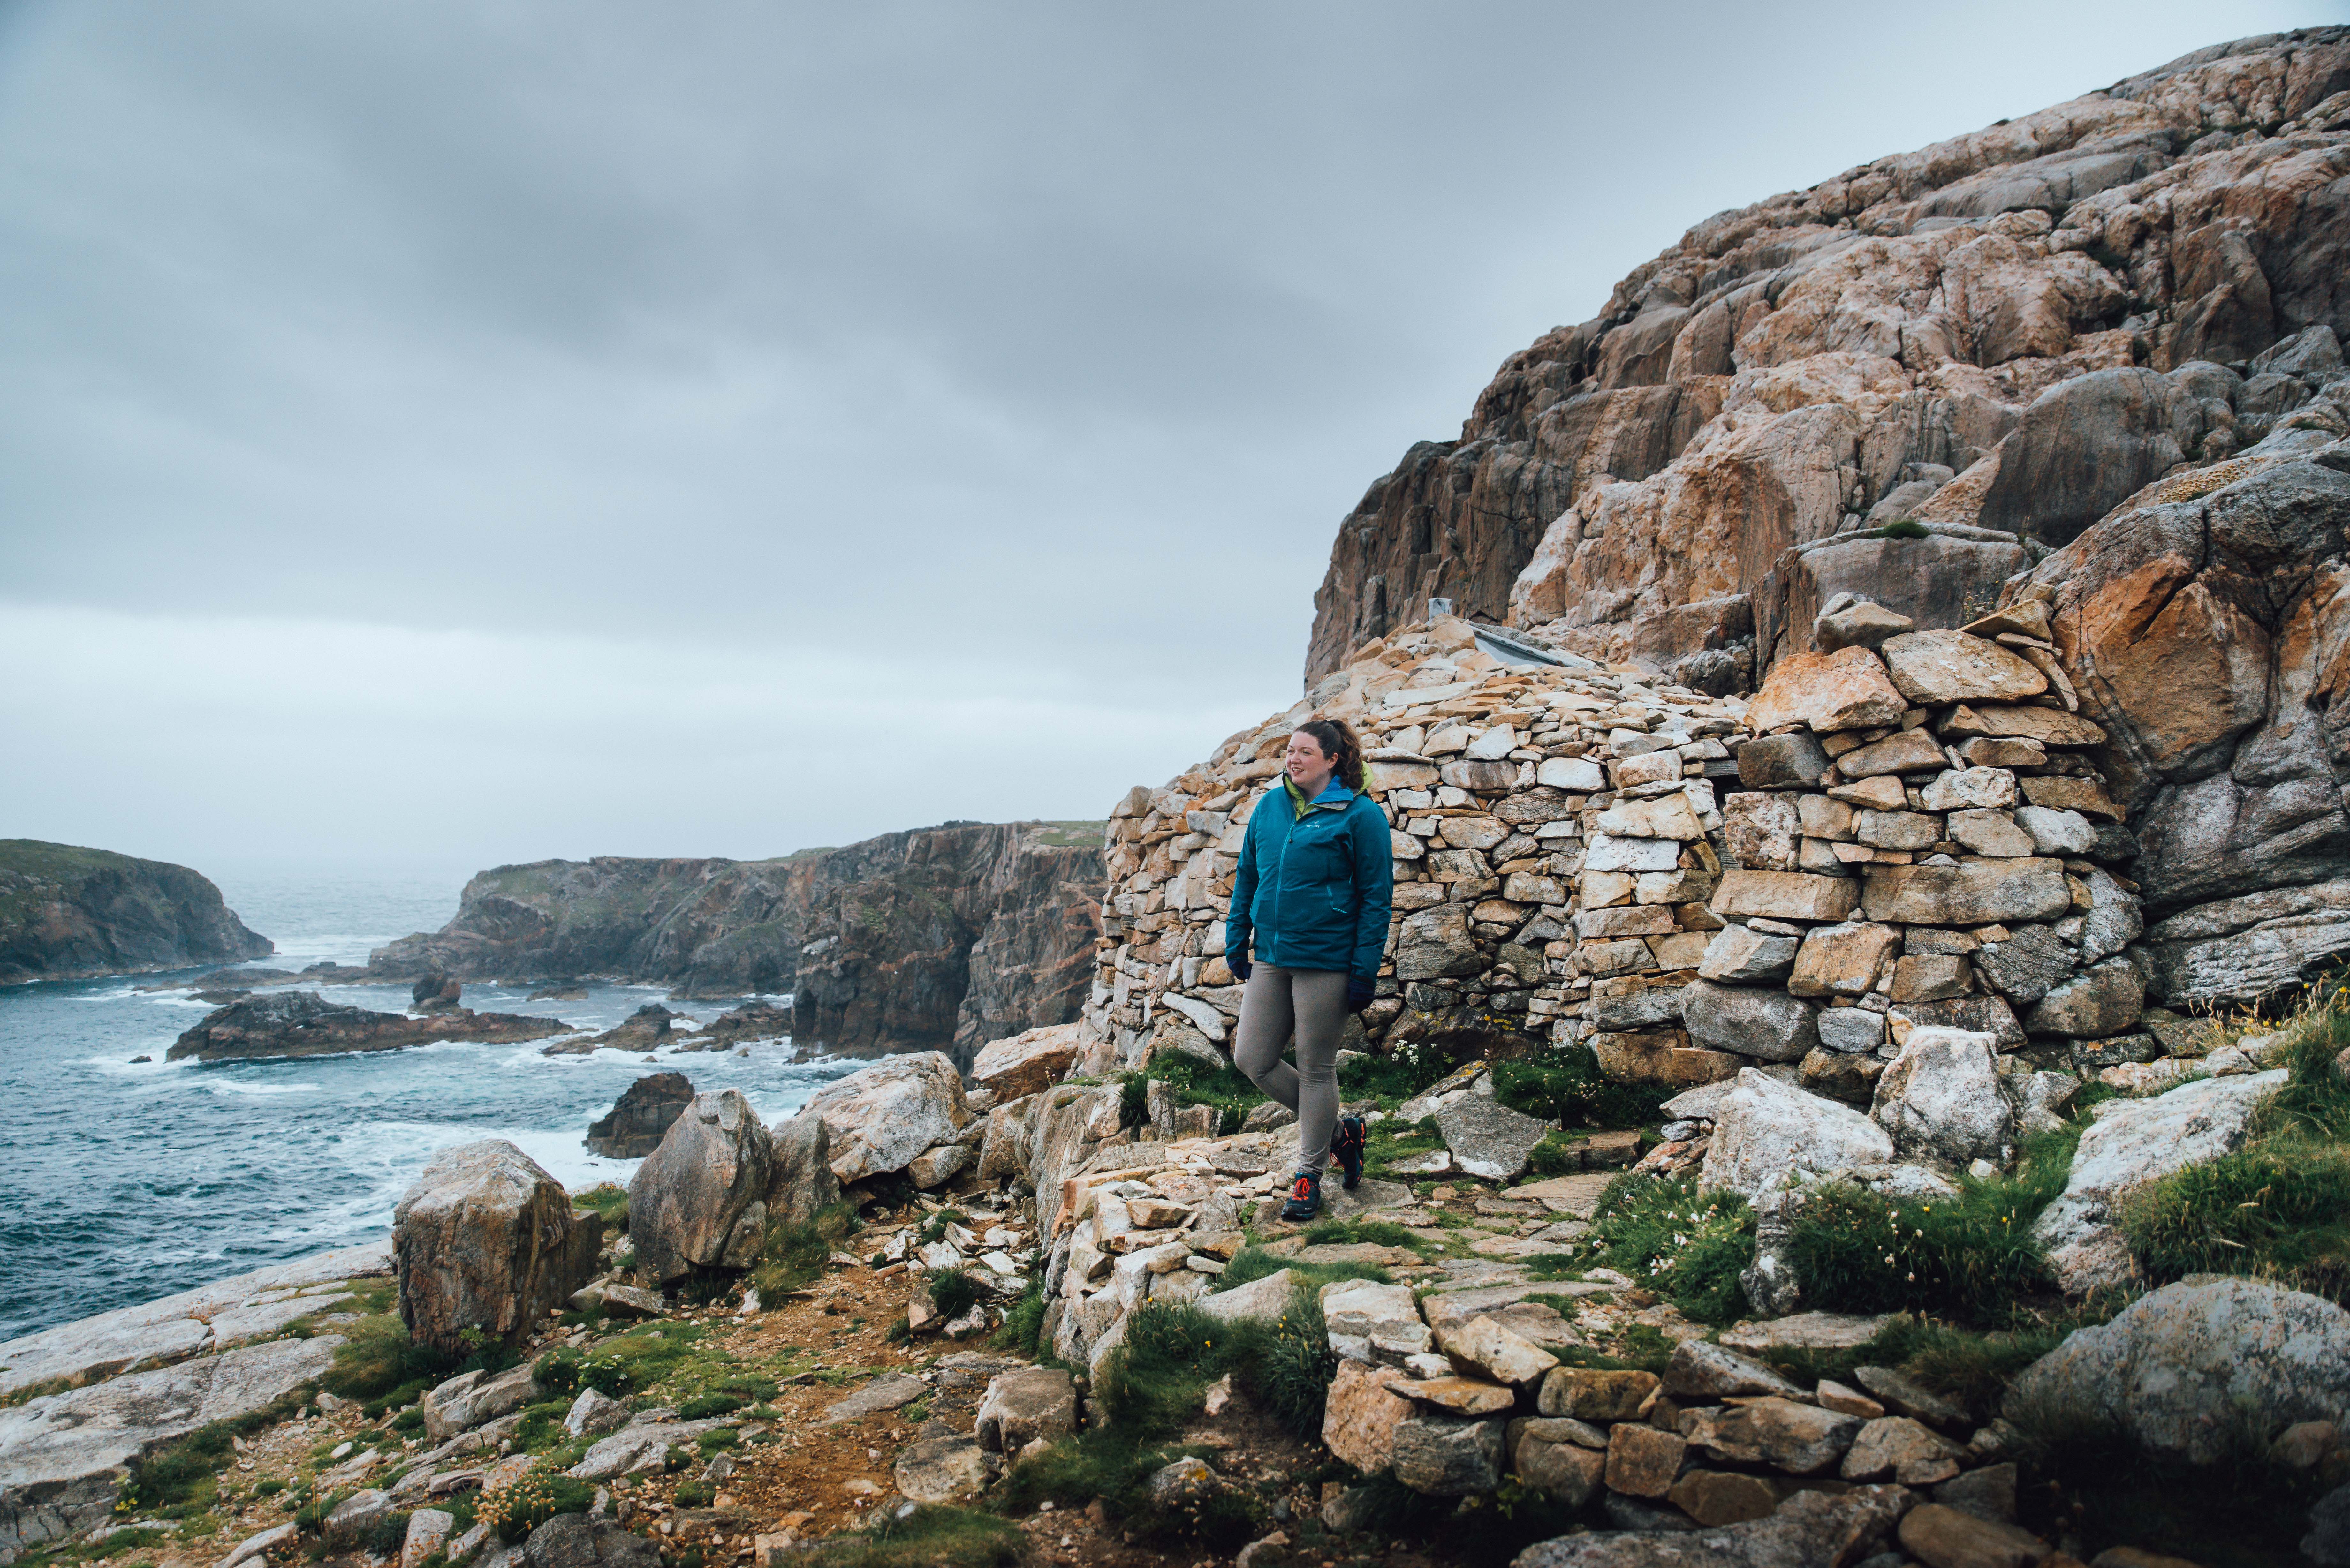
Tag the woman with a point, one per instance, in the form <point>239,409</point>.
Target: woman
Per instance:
<point>1311,894</point>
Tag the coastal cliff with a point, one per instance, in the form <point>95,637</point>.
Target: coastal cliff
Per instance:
<point>70,913</point>
<point>1998,339</point>
<point>937,937</point>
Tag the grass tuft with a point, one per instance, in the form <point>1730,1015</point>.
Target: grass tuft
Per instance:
<point>1689,1248</point>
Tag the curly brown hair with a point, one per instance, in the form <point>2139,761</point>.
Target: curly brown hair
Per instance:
<point>1341,744</point>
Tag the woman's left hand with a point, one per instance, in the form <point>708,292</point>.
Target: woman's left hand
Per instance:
<point>1360,990</point>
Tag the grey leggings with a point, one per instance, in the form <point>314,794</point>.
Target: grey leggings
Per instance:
<point>1312,1003</point>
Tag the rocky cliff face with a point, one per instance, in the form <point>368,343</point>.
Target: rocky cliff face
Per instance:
<point>67,913</point>
<point>2001,338</point>
<point>940,937</point>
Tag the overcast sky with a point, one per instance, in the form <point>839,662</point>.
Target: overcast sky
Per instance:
<point>457,433</point>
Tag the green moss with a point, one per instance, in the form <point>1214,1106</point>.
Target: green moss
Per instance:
<point>1254,1263</point>
<point>608,1200</point>
<point>1897,528</point>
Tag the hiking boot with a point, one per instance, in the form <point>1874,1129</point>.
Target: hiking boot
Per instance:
<point>1304,1199</point>
<point>1347,1143</point>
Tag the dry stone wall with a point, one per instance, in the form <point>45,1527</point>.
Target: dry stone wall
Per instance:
<point>1557,832</point>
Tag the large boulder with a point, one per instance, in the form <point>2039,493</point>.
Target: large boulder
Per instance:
<point>800,1179</point>
<point>1940,1099</point>
<point>2186,1370</point>
<point>1024,1063</point>
<point>485,1241</point>
<point>1487,1137</point>
<point>1025,1405</point>
<point>640,1117</point>
<point>699,1199</point>
<point>1766,1130</point>
<point>881,1116</point>
<point>2136,1141</point>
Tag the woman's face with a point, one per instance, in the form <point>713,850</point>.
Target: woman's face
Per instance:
<point>1308,765</point>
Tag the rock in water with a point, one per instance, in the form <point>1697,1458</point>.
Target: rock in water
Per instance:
<point>699,1199</point>
<point>304,1023</point>
<point>435,992</point>
<point>67,913</point>
<point>487,1241</point>
<point>640,1116</point>
<point>2179,1370</point>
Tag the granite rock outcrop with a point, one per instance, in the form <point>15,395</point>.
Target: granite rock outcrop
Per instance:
<point>69,913</point>
<point>1990,342</point>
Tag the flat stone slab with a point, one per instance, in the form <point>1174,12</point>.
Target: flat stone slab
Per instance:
<point>211,1317</point>
<point>887,1392</point>
<point>1578,1195</point>
<point>63,1457</point>
<point>1805,1331</point>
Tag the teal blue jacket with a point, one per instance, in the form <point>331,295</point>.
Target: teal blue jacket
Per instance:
<point>1314,888</point>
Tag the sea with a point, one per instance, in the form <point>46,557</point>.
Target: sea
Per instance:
<point>121,1181</point>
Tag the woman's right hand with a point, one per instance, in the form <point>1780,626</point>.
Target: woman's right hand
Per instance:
<point>1238,962</point>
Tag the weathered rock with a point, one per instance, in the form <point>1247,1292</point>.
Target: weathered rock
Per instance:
<point>1850,1030</point>
<point>428,1531</point>
<point>1445,1456</point>
<point>1793,761</point>
<point>1945,1538</point>
<point>942,1470</point>
<point>1941,1100</point>
<point>881,1116</point>
<point>1897,1448</point>
<point>2056,832</point>
<point>1805,1331</point>
<point>799,1169</point>
<point>1970,789</point>
<point>1483,1348</point>
<point>1487,1138</point>
<point>1643,1461</point>
<point>1769,1024</point>
<point>638,1120</point>
<point>1739,955</point>
<point>1766,1131</point>
<point>1904,752</point>
<point>1359,1415</point>
<point>1457,1396</point>
<point>1787,896</point>
<point>1905,1395</point>
<point>699,1199</point>
<point>1858,625</point>
<point>1987,1493</point>
<point>891,1391</point>
<point>303,1024</point>
<point>1436,943</point>
<point>76,913</point>
<point>2178,1369</point>
<point>1991,833</point>
<point>63,1457</point>
<point>470,1399</point>
<point>2193,1124</point>
<point>1589,1394</point>
<point>1935,668</point>
<point>1708,1372</point>
<point>1808,1529</point>
<point>1567,1470</point>
<point>1368,1320</point>
<point>1800,1438</point>
<point>583,1541</point>
<point>2103,1000</point>
<point>594,1413</point>
<point>1259,1300</point>
<point>641,1448</point>
<point>485,1241</point>
<point>2031,962</point>
<point>1026,1063</point>
<point>1716,1498</point>
<point>1970,893</point>
<point>1763,832</point>
<point>1023,1405</point>
<point>1843,960</point>
<point>1846,690</point>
